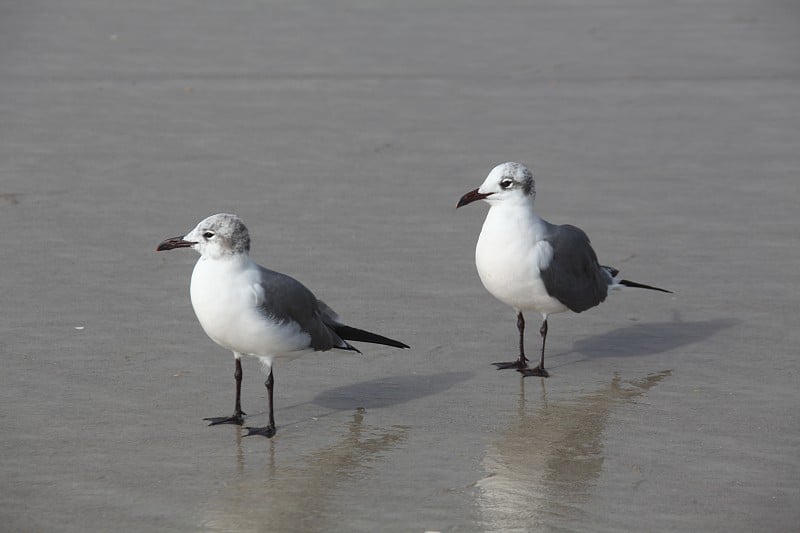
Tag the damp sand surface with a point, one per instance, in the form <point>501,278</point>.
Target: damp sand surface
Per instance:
<point>344,133</point>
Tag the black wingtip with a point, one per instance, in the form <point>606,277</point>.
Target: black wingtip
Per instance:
<point>629,283</point>
<point>354,334</point>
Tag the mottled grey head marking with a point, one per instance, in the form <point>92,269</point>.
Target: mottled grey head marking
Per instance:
<point>224,232</point>
<point>516,176</point>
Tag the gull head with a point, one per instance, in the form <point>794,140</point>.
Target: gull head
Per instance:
<point>508,182</point>
<point>217,236</point>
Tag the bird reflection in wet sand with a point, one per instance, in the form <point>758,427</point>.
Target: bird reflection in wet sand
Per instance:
<point>550,456</point>
<point>299,497</point>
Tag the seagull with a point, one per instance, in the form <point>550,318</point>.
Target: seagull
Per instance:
<point>254,311</point>
<point>533,265</point>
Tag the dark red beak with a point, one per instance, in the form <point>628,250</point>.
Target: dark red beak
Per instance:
<point>174,242</point>
<point>471,196</point>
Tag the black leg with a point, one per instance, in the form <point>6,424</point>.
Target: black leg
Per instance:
<point>270,384</point>
<point>539,370</point>
<point>522,362</point>
<point>268,431</point>
<point>238,415</point>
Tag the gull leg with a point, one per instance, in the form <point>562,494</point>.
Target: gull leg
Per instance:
<point>522,363</point>
<point>238,415</point>
<point>539,370</point>
<point>268,431</point>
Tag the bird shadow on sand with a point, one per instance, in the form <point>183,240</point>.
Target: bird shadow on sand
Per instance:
<point>651,338</point>
<point>389,391</point>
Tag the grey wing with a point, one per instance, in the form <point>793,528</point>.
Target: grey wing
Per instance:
<point>574,276</point>
<point>286,299</point>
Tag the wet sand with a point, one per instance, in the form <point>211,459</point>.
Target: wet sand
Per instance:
<point>344,134</point>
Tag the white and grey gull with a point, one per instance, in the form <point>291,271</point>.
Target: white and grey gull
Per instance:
<point>533,265</point>
<point>254,311</point>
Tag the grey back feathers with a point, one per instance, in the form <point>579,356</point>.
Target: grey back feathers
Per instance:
<point>574,277</point>
<point>286,299</point>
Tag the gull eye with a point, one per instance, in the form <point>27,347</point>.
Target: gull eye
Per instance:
<point>208,234</point>
<point>506,183</point>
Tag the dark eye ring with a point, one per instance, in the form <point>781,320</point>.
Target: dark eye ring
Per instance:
<point>505,184</point>
<point>208,234</point>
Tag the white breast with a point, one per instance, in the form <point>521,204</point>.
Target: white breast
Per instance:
<point>226,296</point>
<point>509,256</point>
